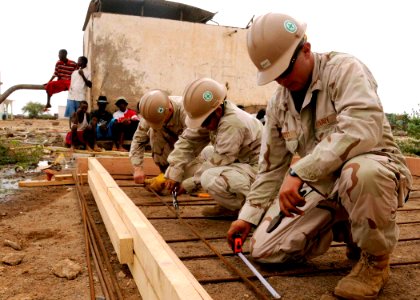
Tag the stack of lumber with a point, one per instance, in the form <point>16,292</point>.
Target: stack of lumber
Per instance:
<point>156,269</point>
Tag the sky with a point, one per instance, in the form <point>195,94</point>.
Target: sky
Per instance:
<point>381,33</point>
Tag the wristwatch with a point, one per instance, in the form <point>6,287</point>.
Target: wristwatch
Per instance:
<point>293,173</point>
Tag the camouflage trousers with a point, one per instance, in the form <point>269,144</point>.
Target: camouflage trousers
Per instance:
<point>367,194</point>
<point>229,185</point>
<point>195,164</point>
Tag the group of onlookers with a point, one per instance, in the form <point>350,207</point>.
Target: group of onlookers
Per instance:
<point>87,128</point>
<point>100,124</point>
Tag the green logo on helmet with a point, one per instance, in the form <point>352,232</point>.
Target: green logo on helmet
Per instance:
<point>160,110</point>
<point>207,96</point>
<point>290,26</point>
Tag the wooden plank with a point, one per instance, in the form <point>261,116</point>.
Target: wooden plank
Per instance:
<point>139,274</point>
<point>35,183</point>
<point>103,176</point>
<point>413,164</point>
<point>118,233</point>
<point>60,177</point>
<point>166,273</point>
<point>119,165</point>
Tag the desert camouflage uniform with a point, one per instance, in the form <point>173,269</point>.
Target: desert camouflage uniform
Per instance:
<point>161,141</point>
<point>229,172</point>
<point>348,155</point>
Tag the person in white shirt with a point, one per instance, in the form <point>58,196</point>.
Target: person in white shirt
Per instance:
<point>126,122</point>
<point>80,81</point>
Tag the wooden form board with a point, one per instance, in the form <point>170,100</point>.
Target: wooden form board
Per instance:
<point>157,270</point>
<point>34,183</point>
<point>119,165</point>
<point>413,164</point>
<point>122,165</point>
<point>119,235</point>
<point>60,177</point>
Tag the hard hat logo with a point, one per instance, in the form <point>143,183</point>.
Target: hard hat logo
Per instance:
<point>265,63</point>
<point>290,26</point>
<point>160,110</point>
<point>207,96</point>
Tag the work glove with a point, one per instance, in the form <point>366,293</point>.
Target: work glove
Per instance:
<point>156,184</point>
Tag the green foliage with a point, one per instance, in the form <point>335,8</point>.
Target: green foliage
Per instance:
<point>13,152</point>
<point>413,128</point>
<point>408,126</point>
<point>34,109</point>
<point>398,122</point>
<point>409,146</point>
<point>47,117</point>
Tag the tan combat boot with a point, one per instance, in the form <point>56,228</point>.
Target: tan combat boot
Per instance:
<point>366,279</point>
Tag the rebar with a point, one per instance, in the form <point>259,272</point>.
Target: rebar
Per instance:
<point>256,290</point>
<point>97,242</point>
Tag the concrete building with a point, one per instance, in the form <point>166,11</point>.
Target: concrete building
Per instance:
<point>134,46</point>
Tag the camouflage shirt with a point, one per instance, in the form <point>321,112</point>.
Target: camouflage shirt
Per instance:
<point>341,117</point>
<point>162,141</point>
<point>237,139</point>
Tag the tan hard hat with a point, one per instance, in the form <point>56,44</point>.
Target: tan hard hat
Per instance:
<point>271,41</point>
<point>153,106</point>
<point>201,98</point>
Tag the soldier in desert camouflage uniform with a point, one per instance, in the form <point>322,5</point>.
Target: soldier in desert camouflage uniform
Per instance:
<point>353,175</point>
<point>236,136</point>
<point>163,121</point>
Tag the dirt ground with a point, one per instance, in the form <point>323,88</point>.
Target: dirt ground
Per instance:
<point>46,222</point>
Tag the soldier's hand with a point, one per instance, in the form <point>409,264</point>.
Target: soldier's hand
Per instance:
<point>240,227</point>
<point>138,175</point>
<point>289,197</point>
<point>171,184</point>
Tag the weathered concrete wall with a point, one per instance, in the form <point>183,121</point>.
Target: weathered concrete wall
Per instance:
<point>129,55</point>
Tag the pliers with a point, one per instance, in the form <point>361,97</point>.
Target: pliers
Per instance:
<point>175,201</point>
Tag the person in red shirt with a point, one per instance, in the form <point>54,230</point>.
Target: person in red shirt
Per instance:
<point>63,70</point>
<point>126,122</point>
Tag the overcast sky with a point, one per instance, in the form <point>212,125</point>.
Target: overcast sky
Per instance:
<point>382,33</point>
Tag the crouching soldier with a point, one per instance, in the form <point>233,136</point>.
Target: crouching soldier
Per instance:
<point>228,173</point>
<point>163,120</point>
<point>351,177</point>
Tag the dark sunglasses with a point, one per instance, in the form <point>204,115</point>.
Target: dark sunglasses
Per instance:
<point>292,61</point>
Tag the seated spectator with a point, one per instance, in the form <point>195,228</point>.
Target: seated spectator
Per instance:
<point>126,122</point>
<point>81,133</point>
<point>103,122</point>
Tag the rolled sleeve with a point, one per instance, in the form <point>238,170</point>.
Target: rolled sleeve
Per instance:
<point>251,214</point>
